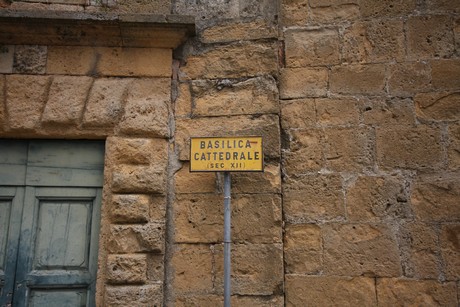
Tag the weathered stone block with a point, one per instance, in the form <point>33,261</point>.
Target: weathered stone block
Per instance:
<point>381,112</point>
<point>257,269</point>
<point>256,183</point>
<point>207,9</point>
<point>234,97</point>
<point>298,114</point>
<point>393,291</point>
<point>313,198</point>
<point>236,31</point>
<point>127,269</point>
<point>329,291</point>
<point>407,147</point>
<point>155,268</point>
<point>213,300</point>
<point>187,182</point>
<point>445,6</point>
<point>303,82</point>
<point>145,7</point>
<point>183,102</point>
<point>130,208</point>
<point>158,208</point>
<point>29,59</point>
<point>305,153</point>
<point>453,150</point>
<point>429,36</point>
<point>266,126</point>
<point>373,199</point>
<point>409,78</point>
<point>346,11</point>
<point>192,267</point>
<point>450,249</point>
<point>294,13</point>
<point>358,249</point>
<point>25,100</point>
<point>312,47</point>
<point>71,60</point>
<point>358,79</point>
<point>436,198</point>
<point>233,61</point>
<point>138,151</point>
<point>136,238</point>
<point>445,74</point>
<point>374,41</point>
<point>457,36</point>
<point>349,149</point>
<point>66,100</point>
<point>139,296</point>
<point>337,111</point>
<point>303,249</point>
<point>441,106</point>
<point>147,108</point>
<point>6,59</point>
<point>2,102</point>
<point>105,102</point>
<point>140,179</point>
<point>386,8</point>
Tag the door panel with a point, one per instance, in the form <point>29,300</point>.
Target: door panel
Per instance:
<point>58,298</point>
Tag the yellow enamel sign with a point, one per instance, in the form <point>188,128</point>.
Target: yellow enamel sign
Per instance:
<point>219,154</point>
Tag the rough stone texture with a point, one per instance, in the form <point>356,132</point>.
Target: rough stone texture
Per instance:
<point>127,269</point>
<point>329,291</point>
<point>25,100</point>
<point>393,291</point>
<point>373,199</point>
<point>257,269</point>
<point>105,102</point>
<point>454,147</point>
<point>139,179</point>
<point>409,78</point>
<point>130,208</point>
<point>145,6</point>
<point>147,108</point>
<point>136,238</point>
<point>303,82</point>
<point>315,47</point>
<point>139,296</point>
<point>305,153</point>
<point>72,60</point>
<point>6,59</point>
<point>187,182</point>
<point>29,59</point>
<point>358,79</point>
<point>233,97</point>
<point>349,149</point>
<point>207,9</point>
<point>334,12</point>
<point>450,249</point>
<point>388,112</point>
<point>303,249</point>
<point>446,74</point>
<point>256,183</point>
<point>183,101</point>
<point>313,198</point>
<point>436,197</point>
<point>66,100</point>
<point>236,31</point>
<point>233,61</point>
<point>442,106</point>
<point>360,249</point>
<point>298,114</point>
<point>294,13</point>
<point>138,151</point>
<point>2,102</point>
<point>407,147</point>
<point>386,8</point>
<point>429,36</point>
<point>218,300</point>
<point>337,111</point>
<point>374,41</point>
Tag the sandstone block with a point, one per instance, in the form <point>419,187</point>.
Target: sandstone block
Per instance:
<point>450,249</point>
<point>29,59</point>
<point>298,113</point>
<point>374,199</point>
<point>337,111</point>
<point>183,101</point>
<point>266,126</point>
<point>2,102</point>
<point>360,249</point>
<point>192,267</point>
<point>387,8</point>
<point>155,268</point>
<point>236,300</point>
<point>25,100</point>
<point>140,179</point>
<point>457,35</point>
<point>409,78</point>
<point>138,151</point>
<point>105,102</point>
<point>233,61</point>
<point>312,47</point>
<point>441,106</point>
<point>393,291</point>
<point>147,108</point>
<point>349,149</point>
<point>305,153</point>
<point>303,82</point>
<point>66,100</point>
<point>346,11</point>
<point>145,7</point>
<point>158,208</point>
<point>313,198</point>
<point>391,112</point>
<point>130,208</point>
<point>407,147</point>
<point>374,41</point>
<point>325,3</point>
<point>453,150</point>
<point>429,36</point>
<point>294,13</point>
<point>136,238</point>
<point>436,198</point>
<point>445,6</point>
<point>257,269</point>
<point>358,79</point>
<point>233,97</point>
<point>127,269</point>
<point>6,59</point>
<point>71,60</point>
<point>256,8</point>
<point>303,249</point>
<point>139,296</point>
<point>207,9</point>
<point>446,74</point>
<point>236,31</point>
<point>256,183</point>
<point>329,291</point>
<point>187,182</point>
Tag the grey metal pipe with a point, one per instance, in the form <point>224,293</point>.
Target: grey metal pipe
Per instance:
<point>227,238</point>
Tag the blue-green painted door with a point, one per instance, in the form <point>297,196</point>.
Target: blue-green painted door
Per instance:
<point>50,196</point>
